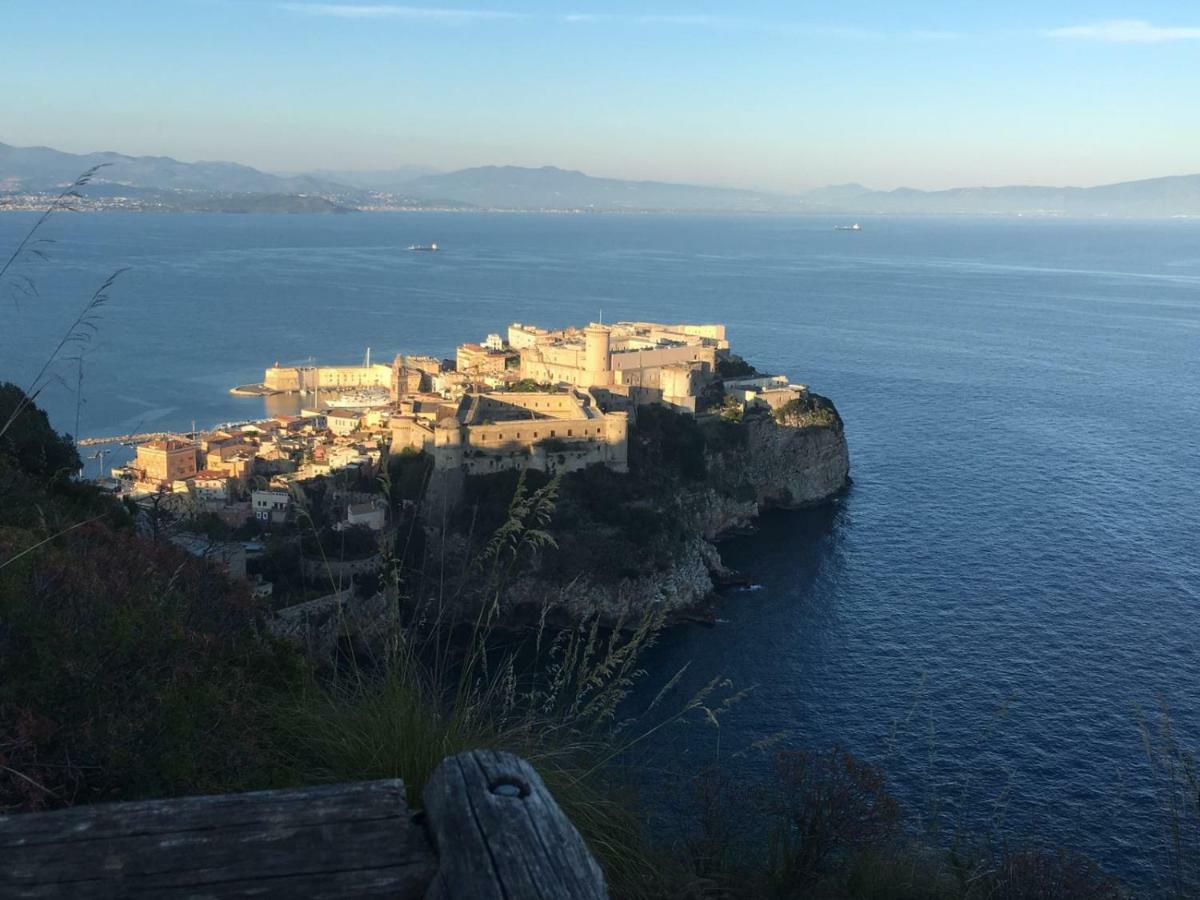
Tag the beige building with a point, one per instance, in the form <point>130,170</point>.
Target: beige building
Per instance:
<point>480,359</point>
<point>648,361</point>
<point>307,379</point>
<point>772,391</point>
<point>212,487</point>
<point>413,374</point>
<point>496,431</point>
<point>167,461</point>
<point>342,422</point>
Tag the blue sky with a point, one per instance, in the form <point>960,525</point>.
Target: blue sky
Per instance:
<point>758,94</point>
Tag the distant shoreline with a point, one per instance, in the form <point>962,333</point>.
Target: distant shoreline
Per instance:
<point>28,206</point>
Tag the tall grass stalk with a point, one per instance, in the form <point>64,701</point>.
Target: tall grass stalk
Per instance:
<point>553,696</point>
<point>81,330</point>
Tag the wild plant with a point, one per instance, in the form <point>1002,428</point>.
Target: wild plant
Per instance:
<point>82,328</point>
<point>1177,783</point>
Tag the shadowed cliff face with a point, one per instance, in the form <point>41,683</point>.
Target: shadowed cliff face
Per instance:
<point>785,465</point>
<point>711,480</point>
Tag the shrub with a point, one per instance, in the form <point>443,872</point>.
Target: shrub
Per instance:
<point>129,669</point>
<point>803,412</point>
<point>1037,874</point>
<point>826,803</point>
<point>665,445</point>
<point>530,386</point>
<point>354,542</point>
<point>30,443</point>
<point>730,365</point>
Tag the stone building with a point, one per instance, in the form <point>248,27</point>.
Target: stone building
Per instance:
<point>271,506</point>
<point>496,431</point>
<point>413,375</point>
<point>646,361</point>
<point>479,359</point>
<point>297,379</point>
<point>166,461</point>
<point>212,487</point>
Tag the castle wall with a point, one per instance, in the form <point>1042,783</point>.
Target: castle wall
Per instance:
<point>408,434</point>
<point>304,378</point>
<point>634,360</point>
<point>556,405</point>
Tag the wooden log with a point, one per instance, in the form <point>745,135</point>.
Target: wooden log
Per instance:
<point>346,840</point>
<point>499,834</point>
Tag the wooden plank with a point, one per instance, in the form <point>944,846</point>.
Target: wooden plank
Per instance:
<point>103,820</point>
<point>331,841</point>
<point>500,835</point>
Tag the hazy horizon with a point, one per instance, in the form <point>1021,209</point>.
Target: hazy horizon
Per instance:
<point>760,96</point>
<point>418,168</point>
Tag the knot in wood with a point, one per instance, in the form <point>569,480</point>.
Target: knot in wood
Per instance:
<point>509,787</point>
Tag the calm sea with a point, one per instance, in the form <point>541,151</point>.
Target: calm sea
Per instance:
<point>1016,570</point>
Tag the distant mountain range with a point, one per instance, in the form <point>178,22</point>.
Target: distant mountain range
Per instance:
<point>1177,195</point>
<point>162,183</point>
<point>41,169</point>
<point>512,187</point>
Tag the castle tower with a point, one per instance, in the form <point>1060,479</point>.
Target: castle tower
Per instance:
<point>597,357</point>
<point>447,479</point>
<point>616,437</point>
<point>448,444</point>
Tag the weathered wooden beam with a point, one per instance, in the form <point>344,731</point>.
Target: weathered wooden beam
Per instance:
<point>499,834</point>
<point>346,840</point>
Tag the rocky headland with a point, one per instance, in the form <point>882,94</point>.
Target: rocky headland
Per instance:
<point>626,545</point>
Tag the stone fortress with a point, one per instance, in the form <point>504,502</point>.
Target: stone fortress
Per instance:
<point>556,400</point>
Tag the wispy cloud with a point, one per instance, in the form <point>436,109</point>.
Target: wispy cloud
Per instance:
<point>730,23</point>
<point>1126,31</point>
<point>440,15</point>
<point>934,34</point>
<point>430,14</point>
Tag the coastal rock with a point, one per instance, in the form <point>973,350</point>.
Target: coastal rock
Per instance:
<point>680,588</point>
<point>712,514</point>
<point>783,465</point>
<point>771,464</point>
<point>790,458</point>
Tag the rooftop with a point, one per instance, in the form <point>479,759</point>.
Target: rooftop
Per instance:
<point>169,444</point>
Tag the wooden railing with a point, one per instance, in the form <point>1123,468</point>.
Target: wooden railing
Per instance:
<point>490,829</point>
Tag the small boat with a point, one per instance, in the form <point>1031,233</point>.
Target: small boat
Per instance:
<point>429,248</point>
<point>854,227</point>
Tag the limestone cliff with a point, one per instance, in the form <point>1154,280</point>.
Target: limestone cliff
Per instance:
<point>676,590</point>
<point>788,459</point>
<point>785,463</point>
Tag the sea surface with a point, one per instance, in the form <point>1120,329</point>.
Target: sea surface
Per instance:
<point>1015,572</point>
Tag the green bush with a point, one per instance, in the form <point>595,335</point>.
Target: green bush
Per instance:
<point>29,442</point>
<point>730,365</point>
<point>804,412</point>
<point>129,669</point>
<point>529,386</point>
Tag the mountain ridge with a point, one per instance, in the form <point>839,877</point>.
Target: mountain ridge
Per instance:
<point>43,170</point>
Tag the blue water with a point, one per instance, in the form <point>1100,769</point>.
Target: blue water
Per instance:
<point>1015,570</point>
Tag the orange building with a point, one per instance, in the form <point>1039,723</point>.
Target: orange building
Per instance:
<point>166,461</point>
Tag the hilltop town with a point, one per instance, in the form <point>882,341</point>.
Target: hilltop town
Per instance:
<point>532,399</point>
<point>555,401</point>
